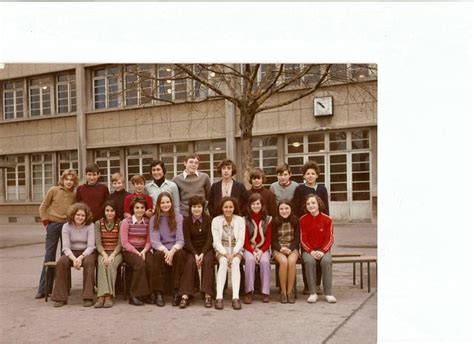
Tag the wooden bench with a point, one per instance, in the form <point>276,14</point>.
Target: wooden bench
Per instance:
<point>354,260</point>
<point>51,266</point>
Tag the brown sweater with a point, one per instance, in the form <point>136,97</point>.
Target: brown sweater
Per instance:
<point>55,204</point>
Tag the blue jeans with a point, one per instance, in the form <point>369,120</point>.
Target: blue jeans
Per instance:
<point>53,236</point>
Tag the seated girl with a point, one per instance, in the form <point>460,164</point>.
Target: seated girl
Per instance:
<point>258,237</point>
<point>199,253</point>
<point>79,251</point>
<point>167,240</point>
<point>285,247</point>
<point>316,240</point>
<point>228,235</point>
<point>109,248</point>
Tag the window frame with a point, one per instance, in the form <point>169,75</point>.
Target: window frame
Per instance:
<point>71,88</point>
<point>15,97</point>
<point>42,87</point>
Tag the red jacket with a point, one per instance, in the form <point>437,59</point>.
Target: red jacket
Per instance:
<point>261,238</point>
<point>317,232</point>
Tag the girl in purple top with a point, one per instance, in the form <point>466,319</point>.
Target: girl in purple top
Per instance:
<point>167,240</point>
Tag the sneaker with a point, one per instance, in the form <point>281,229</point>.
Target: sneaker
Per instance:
<point>59,303</point>
<point>99,303</point>
<point>331,299</point>
<point>319,290</point>
<point>312,298</point>
<point>87,303</point>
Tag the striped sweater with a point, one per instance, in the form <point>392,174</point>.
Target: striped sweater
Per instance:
<point>135,235</point>
<point>317,233</point>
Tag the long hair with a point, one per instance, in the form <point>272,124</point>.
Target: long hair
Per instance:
<point>256,197</point>
<point>292,218</point>
<point>113,205</point>
<point>74,208</point>
<point>68,172</point>
<point>234,202</point>
<point>171,213</point>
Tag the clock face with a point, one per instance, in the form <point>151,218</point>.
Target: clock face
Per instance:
<point>323,106</point>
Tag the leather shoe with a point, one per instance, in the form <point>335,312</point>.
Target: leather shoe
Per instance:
<point>60,303</point>
<point>135,301</point>
<point>236,304</point>
<point>147,299</point>
<point>176,300</point>
<point>184,302</point>
<point>40,296</point>
<point>265,298</point>
<point>159,300</point>
<point>208,302</point>
<point>219,304</point>
<point>248,298</point>
<point>283,298</point>
<point>87,303</point>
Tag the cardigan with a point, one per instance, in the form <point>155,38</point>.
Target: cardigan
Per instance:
<point>316,232</point>
<point>94,196</point>
<point>191,185</point>
<point>299,206</point>
<point>217,228</point>
<point>197,234</point>
<point>154,191</point>
<point>119,198</point>
<point>258,233</point>
<point>78,238</point>
<point>163,237</point>
<point>135,235</point>
<point>54,205</point>
<point>238,191</point>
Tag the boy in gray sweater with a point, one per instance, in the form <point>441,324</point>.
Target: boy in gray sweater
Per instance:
<point>284,188</point>
<point>191,183</point>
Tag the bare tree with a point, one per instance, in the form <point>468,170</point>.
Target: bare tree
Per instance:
<point>252,88</point>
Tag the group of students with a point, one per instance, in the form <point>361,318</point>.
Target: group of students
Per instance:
<point>179,228</point>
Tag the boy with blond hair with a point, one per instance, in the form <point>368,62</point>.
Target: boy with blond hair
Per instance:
<point>119,194</point>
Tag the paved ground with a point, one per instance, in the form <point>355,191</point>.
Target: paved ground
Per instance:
<point>353,319</point>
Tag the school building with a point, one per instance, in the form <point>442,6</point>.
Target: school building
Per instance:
<point>58,116</point>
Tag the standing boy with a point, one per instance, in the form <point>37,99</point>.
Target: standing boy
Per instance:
<point>191,183</point>
<point>257,179</point>
<point>53,213</point>
<point>160,184</point>
<point>93,193</point>
<point>284,188</point>
<point>138,182</point>
<point>118,196</point>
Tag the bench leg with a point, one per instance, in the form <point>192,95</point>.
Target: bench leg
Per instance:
<point>361,277</point>
<point>124,281</point>
<point>368,277</point>
<point>353,273</point>
<point>46,284</point>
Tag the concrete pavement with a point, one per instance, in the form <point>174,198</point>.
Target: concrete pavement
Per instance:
<point>353,319</point>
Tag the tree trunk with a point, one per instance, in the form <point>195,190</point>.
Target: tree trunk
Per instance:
<point>246,126</point>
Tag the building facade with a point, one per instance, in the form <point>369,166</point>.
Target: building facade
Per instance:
<point>58,116</point>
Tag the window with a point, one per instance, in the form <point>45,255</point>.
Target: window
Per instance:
<point>138,161</point>
<point>290,70</point>
<point>339,72</point>
<point>172,85</point>
<point>211,153</point>
<point>303,147</point>
<point>338,170</point>
<point>313,76</point>
<point>40,97</point>
<point>13,97</point>
<point>66,93</point>
<point>42,174</point>
<point>361,177</point>
<point>106,88</point>
<point>360,139</point>
<point>139,84</point>
<point>173,154</point>
<point>16,179</point>
<point>109,163</point>
<point>337,141</point>
<point>265,156</point>
<point>199,90</point>
<point>67,160</point>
